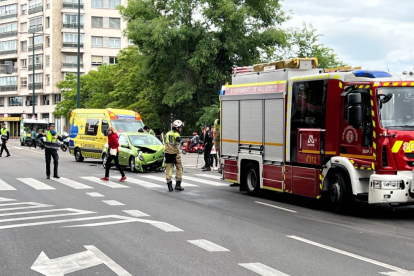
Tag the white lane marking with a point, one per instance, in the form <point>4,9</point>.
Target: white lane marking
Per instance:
<point>33,212</point>
<point>209,176</point>
<point>208,182</point>
<point>75,262</point>
<point>35,184</point>
<point>31,206</point>
<point>207,245</point>
<point>17,148</point>
<point>277,207</point>
<point>112,202</point>
<point>166,227</point>
<point>371,261</point>
<point>262,269</point>
<point>184,184</point>
<point>142,183</point>
<point>74,212</point>
<point>397,273</point>
<point>5,187</point>
<point>71,183</point>
<point>135,213</point>
<point>109,184</point>
<point>3,199</point>
<point>95,195</point>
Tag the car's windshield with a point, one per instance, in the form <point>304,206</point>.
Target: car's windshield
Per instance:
<point>144,140</point>
<point>398,112</point>
<point>31,126</point>
<point>127,125</point>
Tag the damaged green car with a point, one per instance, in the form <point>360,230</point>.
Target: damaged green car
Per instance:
<point>141,152</point>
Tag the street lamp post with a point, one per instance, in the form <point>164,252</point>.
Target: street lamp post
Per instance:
<point>78,65</point>
<point>34,79</point>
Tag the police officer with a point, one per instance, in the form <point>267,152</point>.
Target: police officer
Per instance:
<point>172,155</point>
<point>208,145</point>
<point>5,134</point>
<point>217,139</point>
<point>51,148</point>
<point>148,130</point>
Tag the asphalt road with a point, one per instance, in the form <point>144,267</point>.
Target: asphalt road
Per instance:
<point>78,226</point>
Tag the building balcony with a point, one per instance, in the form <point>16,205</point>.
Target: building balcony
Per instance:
<point>71,45</point>
<point>8,34</point>
<point>36,47</point>
<point>6,88</point>
<point>72,25</point>
<point>69,5</point>
<point>8,52</point>
<point>71,65</point>
<point>35,29</point>
<point>37,67</point>
<point>36,9</point>
<point>7,16</point>
<point>3,69</point>
<point>37,86</point>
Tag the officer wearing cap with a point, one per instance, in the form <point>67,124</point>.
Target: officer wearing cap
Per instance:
<point>5,133</point>
<point>51,148</point>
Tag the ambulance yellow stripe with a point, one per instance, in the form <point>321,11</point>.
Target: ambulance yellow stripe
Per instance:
<point>396,146</point>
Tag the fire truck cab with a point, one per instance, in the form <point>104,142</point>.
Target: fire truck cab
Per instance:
<point>294,128</point>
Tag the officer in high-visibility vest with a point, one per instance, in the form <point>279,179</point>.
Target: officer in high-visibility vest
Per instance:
<point>150,131</point>
<point>5,134</point>
<point>172,155</point>
<point>51,148</point>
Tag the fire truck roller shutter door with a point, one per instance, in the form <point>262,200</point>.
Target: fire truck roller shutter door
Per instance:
<point>273,147</point>
<point>230,128</point>
<point>251,117</point>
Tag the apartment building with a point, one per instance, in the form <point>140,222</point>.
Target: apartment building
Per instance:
<point>50,27</point>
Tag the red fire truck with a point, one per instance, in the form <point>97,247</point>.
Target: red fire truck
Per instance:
<point>294,128</point>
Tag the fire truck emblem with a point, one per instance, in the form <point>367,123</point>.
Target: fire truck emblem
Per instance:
<point>350,136</point>
<point>311,142</point>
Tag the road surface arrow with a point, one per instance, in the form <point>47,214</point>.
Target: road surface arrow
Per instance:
<point>75,262</point>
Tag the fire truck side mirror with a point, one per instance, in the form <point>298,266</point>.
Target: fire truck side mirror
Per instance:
<point>354,109</point>
<point>354,99</point>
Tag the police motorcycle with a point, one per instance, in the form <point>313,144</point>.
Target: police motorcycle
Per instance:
<point>65,142</point>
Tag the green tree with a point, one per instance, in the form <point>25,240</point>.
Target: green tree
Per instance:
<point>68,102</point>
<point>188,48</point>
<point>304,42</point>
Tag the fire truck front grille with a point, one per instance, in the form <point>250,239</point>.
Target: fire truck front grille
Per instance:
<point>409,155</point>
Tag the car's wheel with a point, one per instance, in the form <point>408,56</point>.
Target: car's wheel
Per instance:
<point>252,179</point>
<point>132,164</point>
<point>183,151</point>
<point>200,151</point>
<point>339,193</point>
<point>104,159</point>
<point>78,155</point>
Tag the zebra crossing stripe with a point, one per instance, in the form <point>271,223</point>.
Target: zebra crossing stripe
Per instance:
<point>72,184</point>
<point>208,182</point>
<point>157,178</point>
<point>35,184</point>
<point>5,187</point>
<point>142,183</point>
<point>209,176</point>
<point>109,184</point>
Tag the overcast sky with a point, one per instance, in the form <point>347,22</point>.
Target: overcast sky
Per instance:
<point>359,31</point>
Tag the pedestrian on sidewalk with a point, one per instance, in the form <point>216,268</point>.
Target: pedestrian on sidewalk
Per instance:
<point>5,134</point>
<point>113,154</point>
<point>33,136</point>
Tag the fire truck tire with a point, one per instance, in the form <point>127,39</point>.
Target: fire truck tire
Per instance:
<point>252,178</point>
<point>339,193</point>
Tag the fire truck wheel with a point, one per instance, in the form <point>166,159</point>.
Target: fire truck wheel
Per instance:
<point>252,179</point>
<point>339,193</point>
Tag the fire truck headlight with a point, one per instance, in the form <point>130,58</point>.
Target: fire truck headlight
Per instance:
<point>387,185</point>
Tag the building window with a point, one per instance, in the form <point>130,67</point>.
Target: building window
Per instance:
<point>47,79</point>
<point>38,59</point>
<point>97,22</point>
<point>130,42</point>
<point>24,9</point>
<point>57,98</point>
<point>37,40</point>
<point>1,101</point>
<point>23,82</point>
<point>8,45</point>
<point>97,60</point>
<point>97,41</point>
<point>45,116</point>
<point>45,99</point>
<point>9,9</point>
<point>97,4</point>
<point>6,81</point>
<point>47,61</point>
<point>36,22</point>
<point>48,41</point>
<point>48,22</point>
<point>38,78</point>
<point>113,60</point>
<point>29,100</point>
<point>71,59</point>
<point>24,63</point>
<point>115,23</point>
<point>8,28</point>
<point>114,42</point>
<point>16,101</point>
<point>23,46</point>
<point>71,37</point>
<point>114,3</point>
<point>35,3</point>
<point>48,4</point>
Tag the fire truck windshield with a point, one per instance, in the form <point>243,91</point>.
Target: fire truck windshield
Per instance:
<point>397,107</point>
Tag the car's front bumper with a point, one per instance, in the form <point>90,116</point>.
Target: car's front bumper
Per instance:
<point>403,195</point>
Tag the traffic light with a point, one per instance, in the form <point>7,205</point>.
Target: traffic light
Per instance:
<point>171,117</point>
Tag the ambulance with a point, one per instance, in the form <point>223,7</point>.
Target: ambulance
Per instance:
<point>89,129</point>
